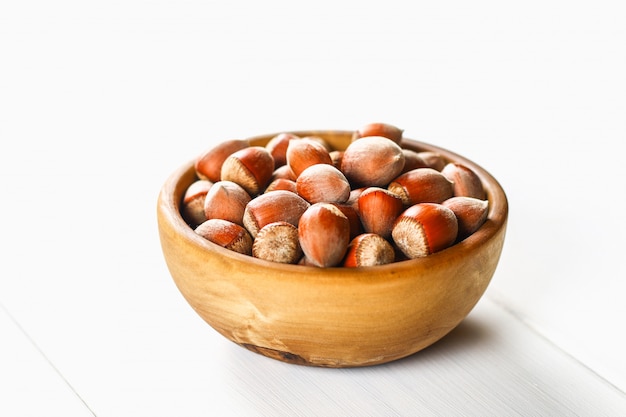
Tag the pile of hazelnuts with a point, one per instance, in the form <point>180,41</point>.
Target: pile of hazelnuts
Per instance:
<point>298,201</point>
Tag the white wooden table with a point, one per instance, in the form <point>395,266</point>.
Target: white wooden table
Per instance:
<point>100,102</point>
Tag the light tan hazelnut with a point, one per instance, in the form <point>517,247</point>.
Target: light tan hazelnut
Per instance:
<point>433,160</point>
<point>278,242</point>
<point>412,160</point>
<point>466,181</point>
<point>372,161</point>
<point>471,213</point>
<point>379,129</point>
<point>335,157</point>
<point>323,183</point>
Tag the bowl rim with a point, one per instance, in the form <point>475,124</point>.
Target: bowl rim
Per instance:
<point>172,191</point>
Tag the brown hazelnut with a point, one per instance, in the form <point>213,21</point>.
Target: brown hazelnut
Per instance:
<point>192,208</point>
<point>302,153</point>
<point>277,147</point>
<point>350,211</point>
<point>324,234</point>
<point>252,168</point>
<point>226,234</point>
<point>283,171</point>
<point>378,210</point>
<point>425,228</point>
<point>353,200</point>
<point>281,184</point>
<point>422,185</point>
<point>279,205</point>
<point>209,164</point>
<point>226,200</point>
<point>369,249</point>
<point>319,140</point>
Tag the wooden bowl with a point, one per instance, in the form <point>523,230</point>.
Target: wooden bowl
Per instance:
<point>332,317</point>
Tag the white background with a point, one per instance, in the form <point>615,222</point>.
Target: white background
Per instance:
<point>101,100</point>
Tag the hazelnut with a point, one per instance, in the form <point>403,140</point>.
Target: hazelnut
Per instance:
<point>422,185</point>
<point>335,157</point>
<point>302,153</point>
<point>424,228</point>
<point>378,210</point>
<point>379,129</point>
<point>226,234</point>
<point>209,164</point>
<point>353,200</point>
<point>369,249</point>
<point>470,212</point>
<point>323,182</point>
<point>283,171</point>
<point>277,147</point>
<point>319,140</point>
<point>252,168</point>
<point>281,184</point>
<point>192,208</point>
<point>466,181</point>
<point>226,200</point>
<point>350,211</point>
<point>372,161</point>
<point>412,160</point>
<point>279,205</point>
<point>433,160</point>
<point>277,242</point>
<point>324,234</point>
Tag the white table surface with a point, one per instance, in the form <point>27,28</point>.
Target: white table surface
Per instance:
<point>101,101</point>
